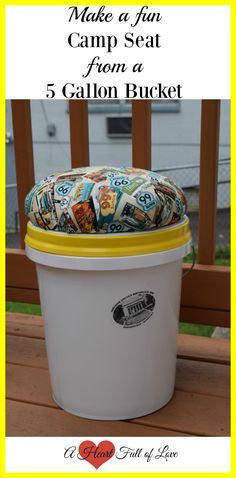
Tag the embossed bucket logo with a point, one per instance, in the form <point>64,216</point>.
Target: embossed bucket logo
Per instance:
<point>134,309</point>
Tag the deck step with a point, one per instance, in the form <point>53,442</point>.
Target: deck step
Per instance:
<point>199,407</point>
<point>188,346</point>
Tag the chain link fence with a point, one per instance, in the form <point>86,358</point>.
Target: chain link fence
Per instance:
<point>187,176</point>
<point>12,217</point>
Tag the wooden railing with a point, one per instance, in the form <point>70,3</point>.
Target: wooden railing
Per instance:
<point>205,291</point>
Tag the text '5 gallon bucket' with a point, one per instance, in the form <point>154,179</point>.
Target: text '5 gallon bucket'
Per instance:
<point>111,309</point>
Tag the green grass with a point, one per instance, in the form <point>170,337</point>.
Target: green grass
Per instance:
<point>194,329</point>
<point>23,308</point>
<point>223,255</point>
<point>222,258</point>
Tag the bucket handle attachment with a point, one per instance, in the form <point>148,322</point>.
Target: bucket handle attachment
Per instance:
<point>193,262</point>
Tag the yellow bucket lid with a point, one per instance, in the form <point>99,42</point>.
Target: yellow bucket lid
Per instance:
<point>109,245</point>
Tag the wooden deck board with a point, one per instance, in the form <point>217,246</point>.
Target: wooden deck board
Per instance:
<point>195,376</point>
<point>187,412</point>
<point>188,346</point>
<point>198,377</point>
<point>203,348</point>
<point>25,419</point>
<point>200,405</point>
<point>194,413</point>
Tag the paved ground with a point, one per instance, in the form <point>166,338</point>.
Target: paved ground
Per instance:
<point>222,230</point>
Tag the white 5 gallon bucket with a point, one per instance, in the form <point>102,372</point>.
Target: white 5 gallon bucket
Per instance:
<point>111,310</point>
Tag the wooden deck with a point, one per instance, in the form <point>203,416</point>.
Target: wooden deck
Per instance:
<point>199,407</point>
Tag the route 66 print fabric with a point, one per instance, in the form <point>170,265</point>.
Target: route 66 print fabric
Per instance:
<point>105,200</point>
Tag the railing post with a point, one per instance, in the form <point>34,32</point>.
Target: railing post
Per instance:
<point>209,156</point>
<point>79,136</point>
<point>24,159</point>
<point>141,134</point>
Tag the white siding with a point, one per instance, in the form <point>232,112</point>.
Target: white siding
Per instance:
<point>175,141</point>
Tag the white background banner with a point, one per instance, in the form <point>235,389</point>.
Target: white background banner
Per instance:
<point>152,454</point>
<point>181,52</point>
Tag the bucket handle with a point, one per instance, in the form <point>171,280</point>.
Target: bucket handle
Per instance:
<point>193,262</point>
